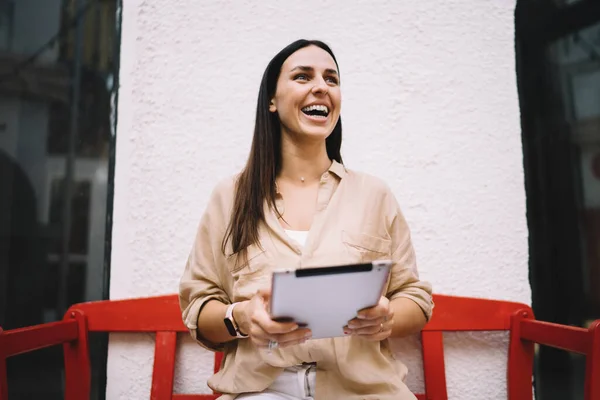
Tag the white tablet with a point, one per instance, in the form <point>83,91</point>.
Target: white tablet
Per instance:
<point>325,299</point>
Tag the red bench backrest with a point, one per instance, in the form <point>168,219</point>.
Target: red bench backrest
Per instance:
<point>162,316</point>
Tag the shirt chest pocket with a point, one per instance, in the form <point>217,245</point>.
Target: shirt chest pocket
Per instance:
<point>365,248</point>
<point>251,274</point>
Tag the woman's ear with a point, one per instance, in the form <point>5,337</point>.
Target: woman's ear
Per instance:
<point>272,107</point>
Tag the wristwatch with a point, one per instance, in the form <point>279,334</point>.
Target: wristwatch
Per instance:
<point>230,324</point>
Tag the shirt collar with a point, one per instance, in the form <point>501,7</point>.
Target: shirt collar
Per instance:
<point>338,169</point>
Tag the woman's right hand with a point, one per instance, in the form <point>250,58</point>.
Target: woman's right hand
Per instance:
<point>254,320</point>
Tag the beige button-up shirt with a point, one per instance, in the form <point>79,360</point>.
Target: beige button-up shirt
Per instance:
<point>357,220</point>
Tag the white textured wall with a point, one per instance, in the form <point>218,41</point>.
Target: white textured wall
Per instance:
<point>429,104</point>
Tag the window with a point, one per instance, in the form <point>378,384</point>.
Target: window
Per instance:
<point>58,72</point>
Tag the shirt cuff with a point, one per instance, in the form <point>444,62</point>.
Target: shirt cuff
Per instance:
<point>191,322</point>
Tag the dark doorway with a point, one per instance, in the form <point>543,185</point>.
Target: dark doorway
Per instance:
<point>558,72</point>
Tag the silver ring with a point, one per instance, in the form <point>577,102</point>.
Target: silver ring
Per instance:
<point>381,328</point>
<point>273,344</point>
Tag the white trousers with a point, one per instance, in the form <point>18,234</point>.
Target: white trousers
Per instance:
<point>295,383</point>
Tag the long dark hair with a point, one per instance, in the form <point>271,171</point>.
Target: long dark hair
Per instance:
<point>256,182</point>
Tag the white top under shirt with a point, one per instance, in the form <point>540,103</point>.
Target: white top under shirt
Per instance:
<point>298,236</point>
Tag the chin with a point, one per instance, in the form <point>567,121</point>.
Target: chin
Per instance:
<point>316,135</point>
<point>319,132</point>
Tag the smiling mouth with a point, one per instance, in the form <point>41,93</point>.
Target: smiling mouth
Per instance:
<point>316,111</point>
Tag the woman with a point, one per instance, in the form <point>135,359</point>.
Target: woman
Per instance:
<point>295,205</point>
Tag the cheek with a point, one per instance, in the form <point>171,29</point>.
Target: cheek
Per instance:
<point>287,107</point>
<point>337,98</point>
<point>287,110</point>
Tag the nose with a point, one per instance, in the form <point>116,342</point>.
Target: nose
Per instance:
<point>320,86</point>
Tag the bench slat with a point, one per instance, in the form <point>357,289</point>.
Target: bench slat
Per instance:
<point>568,338</point>
<point>37,337</point>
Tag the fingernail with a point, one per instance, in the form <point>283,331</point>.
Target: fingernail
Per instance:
<point>346,333</point>
<point>361,316</point>
<point>307,336</point>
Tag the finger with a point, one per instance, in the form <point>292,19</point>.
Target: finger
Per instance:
<point>364,323</point>
<point>265,294</point>
<point>294,338</point>
<point>375,330</point>
<point>258,336</point>
<point>262,319</point>
<point>368,330</point>
<point>292,343</point>
<point>260,342</point>
<point>380,310</point>
<point>262,338</point>
<point>377,337</point>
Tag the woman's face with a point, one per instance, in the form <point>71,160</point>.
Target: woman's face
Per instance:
<point>308,97</point>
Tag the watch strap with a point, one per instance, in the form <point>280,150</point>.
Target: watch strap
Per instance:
<point>230,323</point>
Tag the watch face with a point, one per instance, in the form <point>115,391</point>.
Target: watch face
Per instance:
<point>230,327</point>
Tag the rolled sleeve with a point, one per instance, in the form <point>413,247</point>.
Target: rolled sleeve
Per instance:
<point>404,278</point>
<point>194,294</point>
<point>202,280</point>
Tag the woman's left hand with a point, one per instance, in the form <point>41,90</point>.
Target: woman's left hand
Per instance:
<point>373,323</point>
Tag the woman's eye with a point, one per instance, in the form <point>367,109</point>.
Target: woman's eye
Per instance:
<point>332,79</point>
<point>301,77</point>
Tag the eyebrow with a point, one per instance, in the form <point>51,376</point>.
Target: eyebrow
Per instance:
<point>311,69</point>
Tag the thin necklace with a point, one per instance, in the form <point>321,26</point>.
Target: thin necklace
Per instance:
<point>303,179</point>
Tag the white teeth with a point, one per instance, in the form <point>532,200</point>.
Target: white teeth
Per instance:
<point>317,107</point>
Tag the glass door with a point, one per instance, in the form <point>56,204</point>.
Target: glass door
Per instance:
<point>558,73</point>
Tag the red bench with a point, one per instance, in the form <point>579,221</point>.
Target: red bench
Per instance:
<point>162,316</point>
